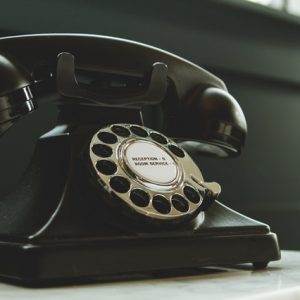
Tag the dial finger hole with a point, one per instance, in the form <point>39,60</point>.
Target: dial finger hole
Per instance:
<point>119,184</point>
<point>161,204</point>
<point>191,194</point>
<point>107,137</point>
<point>106,167</point>
<point>180,203</point>
<point>158,138</point>
<point>139,131</point>
<point>102,150</point>
<point>176,150</point>
<point>120,131</point>
<point>139,197</point>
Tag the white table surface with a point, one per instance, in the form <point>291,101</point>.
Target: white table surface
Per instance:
<point>281,280</point>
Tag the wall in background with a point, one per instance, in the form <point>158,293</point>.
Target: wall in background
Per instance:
<point>255,50</point>
<point>289,6</point>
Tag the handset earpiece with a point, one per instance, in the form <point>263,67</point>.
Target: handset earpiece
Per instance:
<point>16,99</point>
<point>12,77</point>
<point>216,123</point>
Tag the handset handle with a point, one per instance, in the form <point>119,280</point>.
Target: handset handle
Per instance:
<point>67,86</point>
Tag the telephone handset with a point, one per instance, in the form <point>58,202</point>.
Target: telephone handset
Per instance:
<point>114,177</point>
<point>165,88</point>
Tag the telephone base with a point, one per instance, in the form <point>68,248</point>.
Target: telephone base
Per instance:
<point>54,228</point>
<point>225,237</point>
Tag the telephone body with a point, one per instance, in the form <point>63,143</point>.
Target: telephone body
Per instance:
<point>112,189</point>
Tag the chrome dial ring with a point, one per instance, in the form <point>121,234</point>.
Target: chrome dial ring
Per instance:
<point>147,171</point>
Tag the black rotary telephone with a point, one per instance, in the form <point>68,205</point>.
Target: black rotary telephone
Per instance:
<point>112,189</point>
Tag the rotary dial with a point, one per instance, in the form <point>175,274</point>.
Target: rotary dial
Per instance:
<point>148,172</point>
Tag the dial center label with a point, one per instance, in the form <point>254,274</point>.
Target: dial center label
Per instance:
<point>151,162</point>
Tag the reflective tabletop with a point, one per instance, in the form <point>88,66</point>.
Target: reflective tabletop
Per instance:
<point>281,280</point>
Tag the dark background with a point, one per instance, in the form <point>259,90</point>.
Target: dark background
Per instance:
<point>255,50</point>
